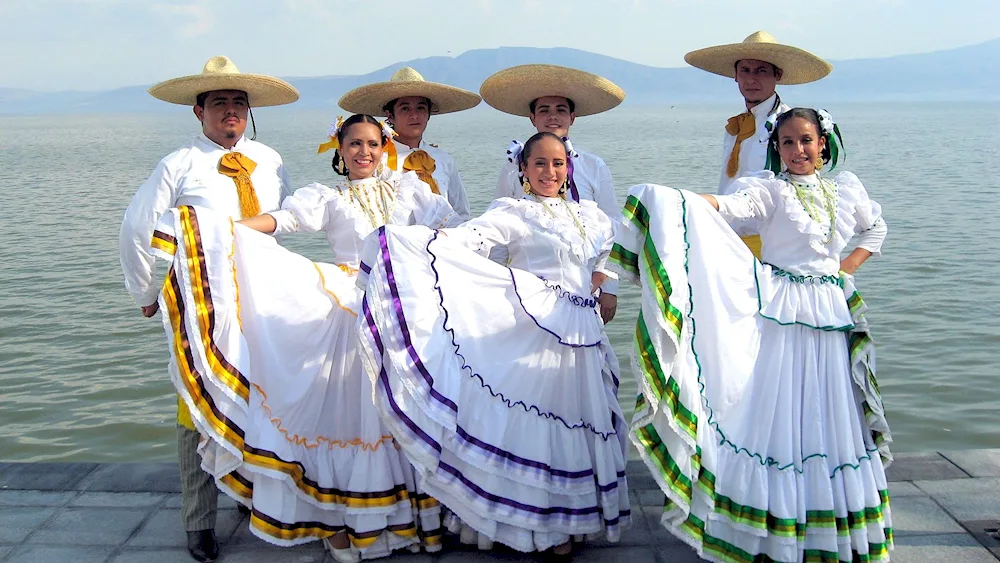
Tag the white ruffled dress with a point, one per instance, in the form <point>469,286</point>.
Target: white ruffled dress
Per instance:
<point>758,413</point>
<point>499,382</point>
<point>264,352</point>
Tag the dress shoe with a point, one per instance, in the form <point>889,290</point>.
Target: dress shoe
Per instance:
<point>203,546</point>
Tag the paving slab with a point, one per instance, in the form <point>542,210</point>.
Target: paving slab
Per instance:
<point>959,486</point>
<point>17,522</point>
<point>146,555</point>
<point>164,528</point>
<point>622,555</point>
<point>43,476</point>
<point>50,553</point>
<point>953,548</point>
<point>921,516</point>
<point>90,526</point>
<point>905,489</point>
<point>657,533</point>
<point>986,533</point>
<point>929,465</point>
<point>133,478</point>
<point>35,498</point>
<point>117,500</point>
<point>4,550</point>
<point>978,463</point>
<point>309,553</point>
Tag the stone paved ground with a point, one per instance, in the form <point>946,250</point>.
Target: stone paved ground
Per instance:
<point>942,505</point>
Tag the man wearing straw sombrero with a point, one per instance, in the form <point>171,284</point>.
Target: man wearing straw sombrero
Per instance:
<point>552,97</point>
<point>222,170</point>
<point>757,64</point>
<point>408,101</point>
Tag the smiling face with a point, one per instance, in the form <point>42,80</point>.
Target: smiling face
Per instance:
<point>545,166</point>
<point>224,116</point>
<point>361,150</point>
<point>756,80</point>
<point>552,114</point>
<point>409,118</point>
<point>800,145</point>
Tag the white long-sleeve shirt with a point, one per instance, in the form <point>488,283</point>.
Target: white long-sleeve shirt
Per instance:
<point>753,151</point>
<point>593,181</point>
<point>445,174</point>
<point>190,176</point>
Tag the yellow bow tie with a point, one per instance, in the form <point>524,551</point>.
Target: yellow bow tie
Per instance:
<point>742,126</point>
<point>239,167</point>
<point>423,164</point>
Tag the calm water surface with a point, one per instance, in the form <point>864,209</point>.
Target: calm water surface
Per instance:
<point>83,375</point>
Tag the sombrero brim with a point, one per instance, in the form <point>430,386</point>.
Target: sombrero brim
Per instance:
<point>261,90</point>
<point>798,66</point>
<point>371,98</point>
<point>512,90</point>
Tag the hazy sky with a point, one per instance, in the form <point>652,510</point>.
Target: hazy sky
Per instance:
<point>99,44</point>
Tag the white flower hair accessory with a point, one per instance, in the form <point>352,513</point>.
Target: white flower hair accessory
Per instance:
<point>825,121</point>
<point>388,131</point>
<point>336,126</point>
<point>514,151</point>
<point>333,143</point>
<point>569,148</point>
<point>765,135</point>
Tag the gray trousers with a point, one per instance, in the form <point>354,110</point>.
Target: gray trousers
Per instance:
<point>199,495</point>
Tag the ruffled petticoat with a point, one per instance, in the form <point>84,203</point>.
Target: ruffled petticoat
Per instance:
<point>264,353</point>
<point>758,413</point>
<point>500,388</point>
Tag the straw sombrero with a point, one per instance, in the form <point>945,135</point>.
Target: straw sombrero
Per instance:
<point>371,98</point>
<point>220,73</point>
<point>512,90</point>
<point>798,66</point>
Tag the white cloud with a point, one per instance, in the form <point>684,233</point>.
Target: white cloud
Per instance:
<point>194,19</point>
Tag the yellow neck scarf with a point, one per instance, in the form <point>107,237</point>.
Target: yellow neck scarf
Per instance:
<point>742,126</point>
<point>423,164</point>
<point>239,167</point>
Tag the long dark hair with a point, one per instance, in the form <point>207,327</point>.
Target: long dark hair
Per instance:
<point>338,164</point>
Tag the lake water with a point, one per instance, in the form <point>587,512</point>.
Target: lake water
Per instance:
<point>83,375</point>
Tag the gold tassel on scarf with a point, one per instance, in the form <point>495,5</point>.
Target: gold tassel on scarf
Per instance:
<point>423,164</point>
<point>239,167</point>
<point>742,126</point>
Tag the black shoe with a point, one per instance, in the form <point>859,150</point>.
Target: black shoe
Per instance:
<point>203,546</point>
<point>244,510</point>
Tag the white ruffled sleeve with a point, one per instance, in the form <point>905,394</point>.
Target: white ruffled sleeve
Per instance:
<point>755,197</point>
<point>869,229</point>
<point>429,209</point>
<point>595,217</point>
<point>501,224</point>
<point>153,198</point>
<point>305,210</point>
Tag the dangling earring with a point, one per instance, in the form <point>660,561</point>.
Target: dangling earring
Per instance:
<point>819,164</point>
<point>339,166</point>
<point>525,185</point>
<point>563,188</point>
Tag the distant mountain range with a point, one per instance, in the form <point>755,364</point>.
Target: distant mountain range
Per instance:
<point>963,74</point>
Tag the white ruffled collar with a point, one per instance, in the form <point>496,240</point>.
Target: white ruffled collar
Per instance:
<point>552,214</point>
<point>817,232</point>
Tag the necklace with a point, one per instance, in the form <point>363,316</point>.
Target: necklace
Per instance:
<point>384,201</point>
<point>572,216</point>
<point>828,196</point>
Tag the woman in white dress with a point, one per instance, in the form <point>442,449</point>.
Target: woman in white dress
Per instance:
<point>499,382</point>
<point>267,345</point>
<point>759,413</point>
